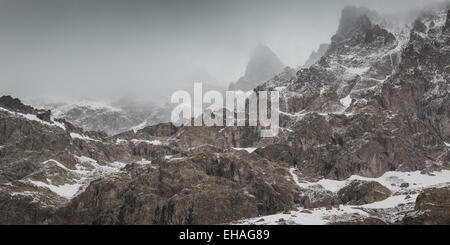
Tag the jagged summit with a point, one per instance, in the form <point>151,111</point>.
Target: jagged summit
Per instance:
<point>263,65</point>
<point>353,16</point>
<point>15,104</point>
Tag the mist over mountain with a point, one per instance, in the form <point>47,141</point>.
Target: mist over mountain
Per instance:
<point>263,65</point>
<point>148,49</point>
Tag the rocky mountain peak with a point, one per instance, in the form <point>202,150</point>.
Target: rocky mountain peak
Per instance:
<point>263,65</point>
<point>357,33</point>
<point>356,17</point>
<point>14,104</point>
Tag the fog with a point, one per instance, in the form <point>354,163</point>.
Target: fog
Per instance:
<point>146,49</point>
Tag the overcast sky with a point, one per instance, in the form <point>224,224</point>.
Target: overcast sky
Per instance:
<point>144,49</point>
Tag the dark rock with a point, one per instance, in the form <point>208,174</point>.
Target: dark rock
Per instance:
<point>404,185</point>
<point>432,208</point>
<point>363,192</point>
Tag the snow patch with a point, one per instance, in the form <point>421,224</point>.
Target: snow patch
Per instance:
<point>82,137</point>
<point>32,117</point>
<point>60,165</point>
<point>139,127</point>
<point>346,102</point>
<point>357,70</point>
<point>295,177</point>
<point>120,141</point>
<point>151,142</point>
<point>67,191</point>
<point>248,149</point>
<point>86,170</point>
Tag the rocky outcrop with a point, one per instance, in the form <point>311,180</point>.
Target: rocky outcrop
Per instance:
<point>318,197</point>
<point>230,186</point>
<point>432,208</point>
<point>263,65</point>
<point>363,192</point>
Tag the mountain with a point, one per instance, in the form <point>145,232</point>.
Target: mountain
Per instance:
<point>364,139</point>
<point>263,65</point>
<point>111,118</point>
<point>316,55</point>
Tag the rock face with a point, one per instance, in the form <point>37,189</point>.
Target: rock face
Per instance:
<point>363,192</point>
<point>432,208</point>
<point>263,65</point>
<point>351,112</point>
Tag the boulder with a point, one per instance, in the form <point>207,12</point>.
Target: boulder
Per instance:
<point>363,192</point>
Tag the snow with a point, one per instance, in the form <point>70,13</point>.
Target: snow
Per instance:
<point>151,142</point>
<point>61,125</point>
<point>391,202</point>
<point>346,101</point>
<point>279,88</point>
<point>32,117</point>
<point>357,70</point>
<point>80,178</point>
<point>61,109</point>
<point>294,176</point>
<point>139,127</point>
<point>120,141</point>
<point>82,137</point>
<point>57,164</point>
<point>322,90</point>
<point>144,162</point>
<point>322,216</point>
<point>67,190</point>
<point>319,216</point>
<point>390,180</point>
<point>33,194</point>
<point>248,149</point>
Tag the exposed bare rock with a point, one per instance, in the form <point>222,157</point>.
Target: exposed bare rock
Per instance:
<point>363,192</point>
<point>432,208</point>
<point>179,192</point>
<point>263,65</point>
<point>316,197</point>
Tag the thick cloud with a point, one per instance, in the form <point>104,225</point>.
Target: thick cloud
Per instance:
<point>145,49</point>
